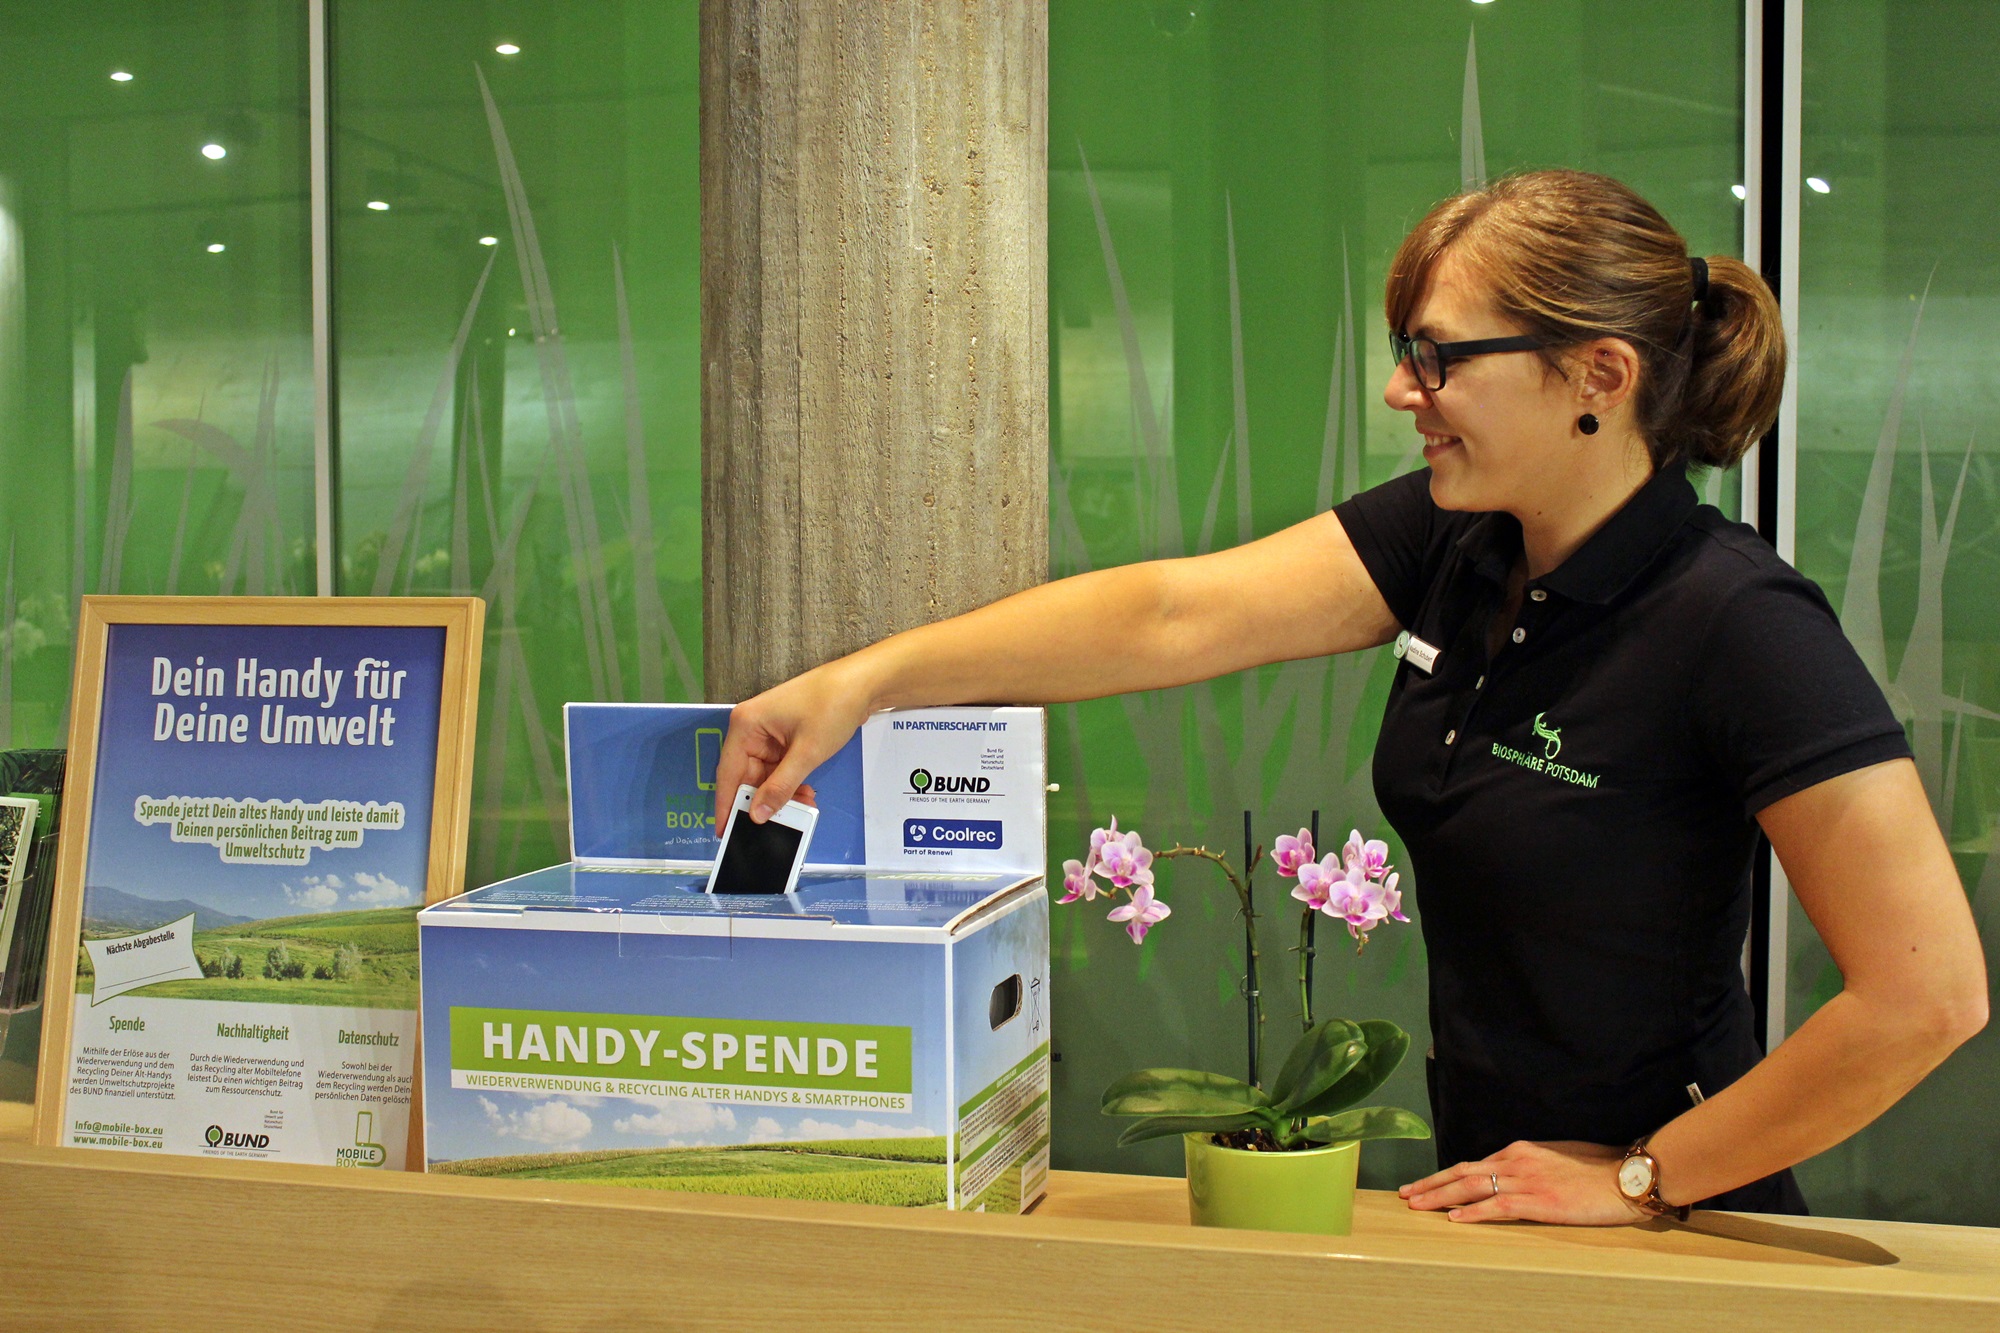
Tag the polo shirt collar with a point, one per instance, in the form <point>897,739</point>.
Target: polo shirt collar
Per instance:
<point>1613,556</point>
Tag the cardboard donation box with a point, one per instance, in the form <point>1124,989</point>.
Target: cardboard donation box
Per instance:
<point>879,1035</point>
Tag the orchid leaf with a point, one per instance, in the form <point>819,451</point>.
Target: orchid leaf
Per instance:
<point>1181,1092</point>
<point>1322,1057</point>
<point>1160,1126</point>
<point>1368,1122</point>
<point>1387,1045</point>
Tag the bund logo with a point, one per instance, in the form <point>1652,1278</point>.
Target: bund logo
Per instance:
<point>926,783</point>
<point>218,1137</point>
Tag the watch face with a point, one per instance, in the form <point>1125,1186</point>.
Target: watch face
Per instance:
<point>1635,1177</point>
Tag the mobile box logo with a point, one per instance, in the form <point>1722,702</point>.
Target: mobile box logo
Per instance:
<point>691,811</point>
<point>365,1152</point>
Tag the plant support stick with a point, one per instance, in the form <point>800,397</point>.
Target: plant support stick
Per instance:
<point>1250,951</point>
<point>1307,929</point>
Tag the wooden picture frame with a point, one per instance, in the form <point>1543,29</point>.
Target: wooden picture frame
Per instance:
<point>462,620</point>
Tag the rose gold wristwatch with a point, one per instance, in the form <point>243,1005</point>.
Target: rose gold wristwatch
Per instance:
<point>1639,1182</point>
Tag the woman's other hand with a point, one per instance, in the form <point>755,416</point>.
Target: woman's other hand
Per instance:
<point>1571,1183</point>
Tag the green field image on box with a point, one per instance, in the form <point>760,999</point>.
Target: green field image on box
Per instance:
<point>357,960</point>
<point>899,1173</point>
<point>1000,1128</point>
<point>1003,1195</point>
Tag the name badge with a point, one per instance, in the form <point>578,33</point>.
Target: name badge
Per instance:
<point>1423,656</point>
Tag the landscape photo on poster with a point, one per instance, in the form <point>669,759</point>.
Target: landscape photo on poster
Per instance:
<point>260,820</point>
<point>18,817</point>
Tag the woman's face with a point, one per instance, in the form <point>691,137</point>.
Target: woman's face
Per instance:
<point>1501,434</point>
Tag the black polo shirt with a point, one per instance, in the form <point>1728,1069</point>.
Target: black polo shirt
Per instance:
<point>1578,807</point>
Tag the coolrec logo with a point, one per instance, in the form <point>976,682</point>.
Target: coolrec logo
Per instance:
<point>218,1137</point>
<point>926,783</point>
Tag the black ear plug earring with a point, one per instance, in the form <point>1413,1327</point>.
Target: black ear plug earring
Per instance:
<point>1587,424</point>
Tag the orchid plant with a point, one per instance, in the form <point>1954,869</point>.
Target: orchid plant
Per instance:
<point>1335,1063</point>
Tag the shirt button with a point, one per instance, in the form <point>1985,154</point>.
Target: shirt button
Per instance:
<point>1520,635</point>
<point>1450,736</point>
<point>1540,595</point>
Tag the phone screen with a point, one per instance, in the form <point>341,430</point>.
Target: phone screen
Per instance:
<point>756,858</point>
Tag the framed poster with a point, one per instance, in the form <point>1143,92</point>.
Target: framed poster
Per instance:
<point>261,794</point>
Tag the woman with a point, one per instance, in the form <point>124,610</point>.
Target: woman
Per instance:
<point>1603,685</point>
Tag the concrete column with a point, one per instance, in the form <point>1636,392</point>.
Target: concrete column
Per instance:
<point>874,181</point>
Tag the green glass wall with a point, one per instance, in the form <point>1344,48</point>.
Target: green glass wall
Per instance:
<point>515,286</point>
<point>517,328</point>
<point>1227,183</point>
<point>1899,498</point>
<point>1227,179</point>
<point>155,334</point>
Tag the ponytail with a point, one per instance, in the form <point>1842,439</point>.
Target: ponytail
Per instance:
<point>1738,370</point>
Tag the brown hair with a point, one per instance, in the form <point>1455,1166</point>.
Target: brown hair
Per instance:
<point>1570,257</point>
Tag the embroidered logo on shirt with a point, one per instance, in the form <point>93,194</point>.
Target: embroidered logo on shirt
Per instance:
<point>1552,735</point>
<point>1544,763</point>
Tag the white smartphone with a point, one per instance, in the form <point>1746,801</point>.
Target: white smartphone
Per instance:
<point>762,858</point>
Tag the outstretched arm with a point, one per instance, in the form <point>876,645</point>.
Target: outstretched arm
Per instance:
<point>1302,592</point>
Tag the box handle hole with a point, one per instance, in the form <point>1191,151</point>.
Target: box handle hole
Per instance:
<point>1006,1001</point>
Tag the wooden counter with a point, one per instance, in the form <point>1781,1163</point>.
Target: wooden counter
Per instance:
<point>112,1241</point>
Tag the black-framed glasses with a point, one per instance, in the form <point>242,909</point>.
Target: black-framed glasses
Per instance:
<point>1427,357</point>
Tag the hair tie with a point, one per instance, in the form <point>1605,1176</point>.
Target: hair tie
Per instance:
<point>1700,267</point>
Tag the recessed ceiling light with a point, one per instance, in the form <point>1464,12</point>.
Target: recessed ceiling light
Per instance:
<point>489,240</point>
<point>214,152</point>
<point>217,248</point>
<point>380,206</point>
<point>1818,186</point>
<point>1739,192</point>
<point>508,49</point>
<point>121,76</point>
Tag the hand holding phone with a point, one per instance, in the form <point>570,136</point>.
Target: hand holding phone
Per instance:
<point>762,858</point>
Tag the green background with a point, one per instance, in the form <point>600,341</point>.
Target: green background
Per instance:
<point>1246,167</point>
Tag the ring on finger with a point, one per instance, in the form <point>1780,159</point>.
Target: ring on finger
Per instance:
<point>1494,1178</point>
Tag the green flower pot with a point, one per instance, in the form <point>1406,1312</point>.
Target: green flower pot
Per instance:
<point>1311,1191</point>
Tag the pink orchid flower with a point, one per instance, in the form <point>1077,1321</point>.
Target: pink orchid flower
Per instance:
<point>1316,880</point>
<point>1392,899</point>
<point>1141,913</point>
<point>1125,861</point>
<point>1372,855</point>
<point>1100,836</point>
<point>1357,901</point>
<point>1077,882</point>
<point>1288,854</point>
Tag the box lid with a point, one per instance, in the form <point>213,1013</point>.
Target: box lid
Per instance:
<point>672,900</point>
